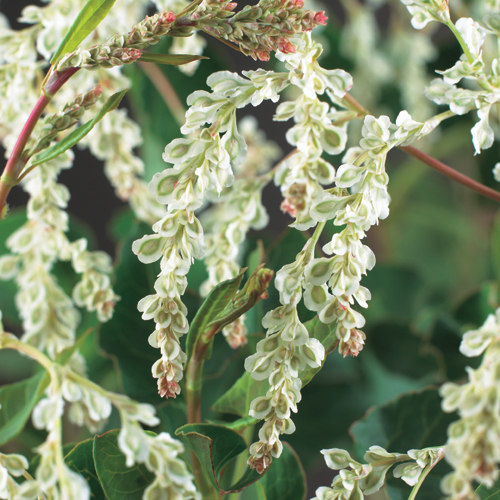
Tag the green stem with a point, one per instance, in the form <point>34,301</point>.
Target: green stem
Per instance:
<point>194,384</point>
<point>420,481</point>
<point>10,341</point>
<point>461,41</point>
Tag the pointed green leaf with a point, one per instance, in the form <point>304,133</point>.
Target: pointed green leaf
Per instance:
<point>492,493</point>
<point>215,446</point>
<point>237,400</point>
<point>88,19</point>
<point>18,401</point>
<point>81,460</point>
<point>286,479</point>
<point>118,481</point>
<point>214,304</point>
<point>172,59</point>
<point>77,135</point>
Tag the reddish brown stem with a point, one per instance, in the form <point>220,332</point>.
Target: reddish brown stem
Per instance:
<point>452,174</point>
<point>16,162</point>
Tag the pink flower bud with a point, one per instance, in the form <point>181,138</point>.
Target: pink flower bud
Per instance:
<point>263,55</point>
<point>320,18</point>
<point>286,46</point>
<point>130,55</point>
<point>167,18</point>
<point>230,6</point>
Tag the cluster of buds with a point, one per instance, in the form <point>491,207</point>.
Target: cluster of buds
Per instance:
<point>472,448</point>
<point>257,30</point>
<point>64,119</point>
<point>356,480</point>
<point>121,49</point>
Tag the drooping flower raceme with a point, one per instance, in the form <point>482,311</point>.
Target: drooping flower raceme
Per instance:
<point>473,447</point>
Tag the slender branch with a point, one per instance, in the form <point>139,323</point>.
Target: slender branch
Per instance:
<point>16,162</point>
<point>166,90</point>
<point>452,174</point>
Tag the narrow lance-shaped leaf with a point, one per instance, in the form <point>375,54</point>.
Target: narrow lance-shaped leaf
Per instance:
<point>172,59</point>
<point>77,135</point>
<point>88,19</point>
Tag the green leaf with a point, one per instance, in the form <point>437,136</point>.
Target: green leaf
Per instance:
<point>77,135</point>
<point>172,59</point>
<point>81,460</point>
<point>237,400</point>
<point>285,479</point>
<point>492,493</point>
<point>88,19</point>
<point>213,305</point>
<point>118,481</point>
<point>18,401</point>
<point>215,446</point>
<point>412,421</point>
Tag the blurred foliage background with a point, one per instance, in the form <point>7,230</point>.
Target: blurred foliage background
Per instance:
<point>438,254</point>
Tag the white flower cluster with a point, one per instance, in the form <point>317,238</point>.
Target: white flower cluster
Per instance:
<point>238,209</point>
<point>356,480</point>
<point>49,316</point>
<point>330,284</point>
<point>470,67</point>
<point>473,447</point>
<point>286,350</point>
<point>424,11</point>
<point>12,466</point>
<point>91,405</point>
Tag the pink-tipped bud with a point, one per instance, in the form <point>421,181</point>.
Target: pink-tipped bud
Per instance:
<point>286,47</point>
<point>320,18</point>
<point>263,55</point>
<point>298,3</point>
<point>130,55</point>
<point>167,18</point>
<point>97,91</point>
<point>230,6</point>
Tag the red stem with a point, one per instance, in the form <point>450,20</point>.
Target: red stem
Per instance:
<point>16,163</point>
<point>452,174</point>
